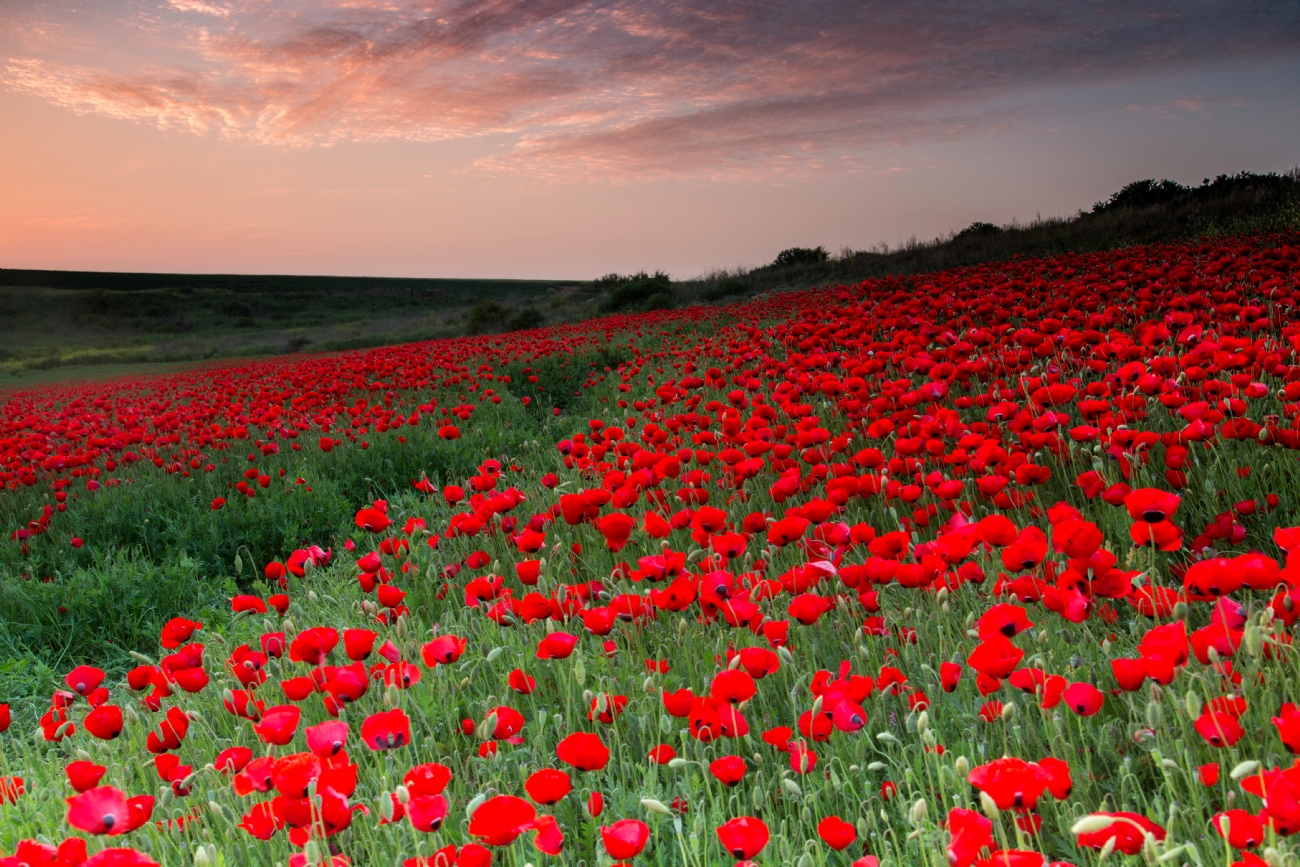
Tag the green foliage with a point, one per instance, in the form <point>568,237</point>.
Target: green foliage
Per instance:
<point>528,317</point>
<point>978,230</point>
<point>1143,194</point>
<point>727,287</point>
<point>486,317</point>
<point>612,279</point>
<point>559,380</point>
<point>116,602</point>
<point>794,256</point>
<point>636,293</point>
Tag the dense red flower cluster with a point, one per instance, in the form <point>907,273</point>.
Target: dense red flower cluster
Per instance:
<point>1047,442</point>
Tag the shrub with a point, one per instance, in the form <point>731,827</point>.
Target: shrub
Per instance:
<point>528,317</point>
<point>638,292</point>
<point>978,230</point>
<point>1143,194</point>
<point>724,288</point>
<point>801,256</point>
<point>486,317</point>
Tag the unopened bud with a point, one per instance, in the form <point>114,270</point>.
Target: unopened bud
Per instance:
<point>1253,640</point>
<point>1091,824</point>
<point>1245,769</point>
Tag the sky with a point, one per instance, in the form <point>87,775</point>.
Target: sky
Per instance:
<point>564,139</point>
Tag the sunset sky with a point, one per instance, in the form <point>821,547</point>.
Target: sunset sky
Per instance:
<point>561,139</point>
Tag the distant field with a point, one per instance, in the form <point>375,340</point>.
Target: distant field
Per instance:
<point>78,320</point>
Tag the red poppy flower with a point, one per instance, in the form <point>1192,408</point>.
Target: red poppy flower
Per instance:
<point>678,704</point>
<point>313,646</point>
<point>278,724</point>
<point>549,839</point>
<point>557,645</point>
<point>968,834</point>
<point>584,751</point>
<point>802,759</point>
<point>427,779</point>
<point>787,531</point>
<point>177,631</point>
<point>443,650</point>
<point>373,520</point>
<point>663,754</point>
<point>1218,729</point>
<point>83,775</point>
<point>358,643</point>
<point>548,786</point>
<point>1130,674</point>
<point>426,812</point>
<point>1011,782</point>
<point>1083,698</point>
<point>1242,829</point>
<point>386,730</point>
<point>1003,619</point>
<point>836,833</point>
<point>328,738</point>
<point>729,770</point>
<point>616,528</point>
<point>996,656</point>
<point>743,837</point>
<point>1128,830</point>
<point>1151,505</point>
<point>104,722</point>
<point>84,679</point>
<point>501,819</point>
<point>521,682</point>
<point>232,759</point>
<point>625,838</point>
<point>1287,723</point>
<point>102,810</point>
<point>119,858</point>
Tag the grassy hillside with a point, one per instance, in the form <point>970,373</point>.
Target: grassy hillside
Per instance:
<point>60,324</point>
<point>1143,212</point>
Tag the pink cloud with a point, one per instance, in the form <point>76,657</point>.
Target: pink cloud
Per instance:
<point>602,89</point>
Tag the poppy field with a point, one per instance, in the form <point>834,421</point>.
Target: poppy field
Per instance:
<point>996,566</point>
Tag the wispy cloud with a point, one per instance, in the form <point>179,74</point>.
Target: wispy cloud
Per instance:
<point>608,88</point>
